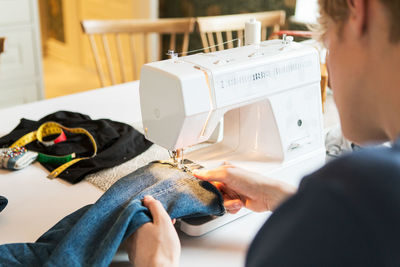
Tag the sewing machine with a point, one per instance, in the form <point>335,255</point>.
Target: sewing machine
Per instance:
<point>265,98</point>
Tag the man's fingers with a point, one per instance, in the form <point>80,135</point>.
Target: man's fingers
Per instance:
<point>233,211</point>
<point>157,210</point>
<point>205,175</point>
<point>218,185</point>
<point>233,206</point>
<point>219,174</point>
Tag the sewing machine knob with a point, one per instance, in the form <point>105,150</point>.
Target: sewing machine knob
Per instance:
<point>299,123</point>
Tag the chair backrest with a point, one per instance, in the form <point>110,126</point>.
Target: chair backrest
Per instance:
<point>2,39</point>
<point>125,43</point>
<point>212,28</point>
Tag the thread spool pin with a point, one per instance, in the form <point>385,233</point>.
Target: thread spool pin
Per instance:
<point>172,54</point>
<point>286,39</point>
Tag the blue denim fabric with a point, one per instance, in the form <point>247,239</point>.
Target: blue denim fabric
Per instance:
<point>92,235</point>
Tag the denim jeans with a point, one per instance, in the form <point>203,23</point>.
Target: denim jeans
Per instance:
<point>92,235</point>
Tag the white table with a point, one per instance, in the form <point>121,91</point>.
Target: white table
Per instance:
<point>37,203</point>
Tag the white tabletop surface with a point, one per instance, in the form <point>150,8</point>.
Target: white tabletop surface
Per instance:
<point>37,203</point>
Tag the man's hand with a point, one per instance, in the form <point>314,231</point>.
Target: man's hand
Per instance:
<point>242,188</point>
<point>156,243</point>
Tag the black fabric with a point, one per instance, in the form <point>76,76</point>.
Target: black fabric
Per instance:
<point>345,214</point>
<point>117,142</point>
<point>3,203</point>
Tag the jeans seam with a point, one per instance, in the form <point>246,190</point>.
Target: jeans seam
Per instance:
<point>166,190</point>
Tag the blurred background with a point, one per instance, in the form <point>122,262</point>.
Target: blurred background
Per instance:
<point>47,55</point>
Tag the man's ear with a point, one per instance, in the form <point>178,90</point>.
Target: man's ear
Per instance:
<point>358,16</point>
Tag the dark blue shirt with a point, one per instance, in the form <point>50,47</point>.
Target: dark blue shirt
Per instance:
<point>345,214</point>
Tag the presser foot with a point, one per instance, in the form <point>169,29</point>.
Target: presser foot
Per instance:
<point>177,159</point>
<point>186,166</point>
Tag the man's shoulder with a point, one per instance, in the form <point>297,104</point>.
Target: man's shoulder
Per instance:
<point>368,178</point>
<point>345,214</point>
<point>372,164</point>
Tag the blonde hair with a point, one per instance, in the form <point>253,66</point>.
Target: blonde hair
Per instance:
<point>337,11</point>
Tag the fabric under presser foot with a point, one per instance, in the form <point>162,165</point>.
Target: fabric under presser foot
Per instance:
<point>188,165</point>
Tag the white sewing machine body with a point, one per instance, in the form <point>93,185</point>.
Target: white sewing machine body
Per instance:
<point>268,96</point>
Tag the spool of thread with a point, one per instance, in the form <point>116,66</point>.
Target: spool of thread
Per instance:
<point>252,32</point>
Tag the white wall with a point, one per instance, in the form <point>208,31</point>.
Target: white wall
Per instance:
<point>306,11</point>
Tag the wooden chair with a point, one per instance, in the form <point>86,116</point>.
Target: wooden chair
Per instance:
<point>212,28</point>
<point>2,39</point>
<point>122,40</point>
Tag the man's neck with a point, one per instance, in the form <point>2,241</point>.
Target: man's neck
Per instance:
<point>388,91</point>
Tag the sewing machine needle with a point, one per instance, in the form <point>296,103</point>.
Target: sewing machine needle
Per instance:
<point>179,156</point>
